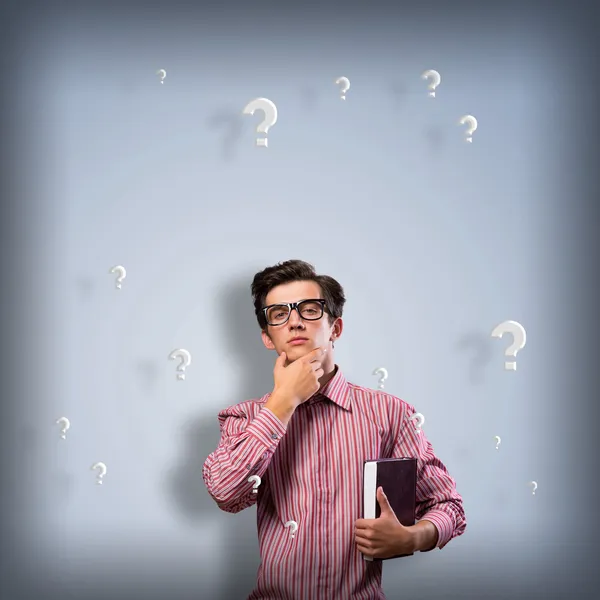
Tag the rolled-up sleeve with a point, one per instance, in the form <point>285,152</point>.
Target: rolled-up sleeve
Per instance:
<point>246,447</point>
<point>438,501</point>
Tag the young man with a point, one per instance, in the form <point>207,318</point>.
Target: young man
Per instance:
<point>307,441</point>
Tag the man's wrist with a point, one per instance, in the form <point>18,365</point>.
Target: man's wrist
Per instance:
<point>283,409</point>
<point>424,536</point>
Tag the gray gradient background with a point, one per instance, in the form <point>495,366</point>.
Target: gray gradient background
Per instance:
<point>435,241</point>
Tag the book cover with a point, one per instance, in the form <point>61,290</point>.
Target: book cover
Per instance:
<point>398,478</point>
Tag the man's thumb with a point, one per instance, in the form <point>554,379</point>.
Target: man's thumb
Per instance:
<point>383,501</point>
<point>280,362</point>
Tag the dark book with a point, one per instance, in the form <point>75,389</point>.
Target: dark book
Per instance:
<point>398,478</point>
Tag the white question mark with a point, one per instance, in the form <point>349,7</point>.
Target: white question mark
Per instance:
<point>186,361</point>
<point>497,437</point>
<point>382,377</point>
<point>102,467</point>
<point>293,527</point>
<point>256,480</point>
<point>122,274</point>
<point>420,420</point>
<point>472,121</point>
<point>435,77</point>
<point>345,86</point>
<point>520,338</point>
<point>65,426</point>
<point>162,74</point>
<point>270,111</point>
<point>534,485</point>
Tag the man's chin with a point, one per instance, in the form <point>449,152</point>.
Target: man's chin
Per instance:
<point>296,352</point>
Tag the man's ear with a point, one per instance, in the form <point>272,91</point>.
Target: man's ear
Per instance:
<point>267,341</point>
<point>338,326</point>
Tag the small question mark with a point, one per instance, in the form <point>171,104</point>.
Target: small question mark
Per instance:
<point>162,74</point>
<point>345,86</point>
<point>186,360</point>
<point>293,527</point>
<point>420,420</point>
<point>65,426</point>
<point>382,377</point>
<point>497,437</point>
<point>436,79</point>
<point>534,485</point>
<point>270,111</point>
<point>256,480</point>
<point>520,338</point>
<point>102,467</point>
<point>472,121</point>
<point>122,274</point>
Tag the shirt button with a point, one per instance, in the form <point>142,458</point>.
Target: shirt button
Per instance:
<point>248,466</point>
<point>273,436</point>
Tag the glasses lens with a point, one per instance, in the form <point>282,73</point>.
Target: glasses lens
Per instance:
<point>278,314</point>
<point>309,310</point>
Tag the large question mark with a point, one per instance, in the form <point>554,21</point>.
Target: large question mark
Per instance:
<point>270,111</point>
<point>102,468</point>
<point>186,360</point>
<point>293,527</point>
<point>498,441</point>
<point>520,338</point>
<point>383,374</point>
<point>162,74</point>
<point>472,121</point>
<point>534,485</point>
<point>65,426</point>
<point>255,479</point>
<point>435,77</point>
<point>345,86</point>
<point>122,274</point>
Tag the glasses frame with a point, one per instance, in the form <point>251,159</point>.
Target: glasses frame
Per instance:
<point>292,306</point>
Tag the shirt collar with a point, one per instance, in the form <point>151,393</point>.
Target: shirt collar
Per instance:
<point>337,390</point>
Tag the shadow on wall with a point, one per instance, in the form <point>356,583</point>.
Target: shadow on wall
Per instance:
<point>436,138</point>
<point>478,346</point>
<point>309,98</point>
<point>186,486</point>
<point>230,123</point>
<point>85,288</point>
<point>399,92</point>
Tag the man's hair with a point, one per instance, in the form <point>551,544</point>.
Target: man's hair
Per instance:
<point>296,270</point>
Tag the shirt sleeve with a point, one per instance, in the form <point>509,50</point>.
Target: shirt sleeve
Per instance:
<point>437,498</point>
<point>245,449</point>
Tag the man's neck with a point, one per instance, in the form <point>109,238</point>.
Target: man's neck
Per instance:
<point>327,377</point>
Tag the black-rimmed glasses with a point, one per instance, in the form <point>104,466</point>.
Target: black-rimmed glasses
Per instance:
<point>310,310</point>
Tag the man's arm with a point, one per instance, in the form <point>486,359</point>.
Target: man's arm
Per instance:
<point>440,512</point>
<point>245,449</point>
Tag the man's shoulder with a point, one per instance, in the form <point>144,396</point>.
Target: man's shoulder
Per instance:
<point>380,406</point>
<point>369,397</point>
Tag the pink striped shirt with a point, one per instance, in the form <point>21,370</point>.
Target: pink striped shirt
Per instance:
<point>311,472</point>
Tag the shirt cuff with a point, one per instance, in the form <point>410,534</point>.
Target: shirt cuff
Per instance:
<point>267,428</point>
<point>444,523</point>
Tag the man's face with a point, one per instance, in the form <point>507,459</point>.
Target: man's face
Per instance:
<point>318,333</point>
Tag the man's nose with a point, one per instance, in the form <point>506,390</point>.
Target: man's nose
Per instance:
<point>295,318</point>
